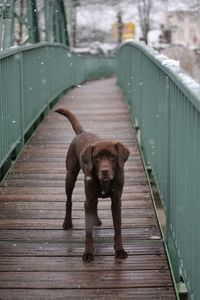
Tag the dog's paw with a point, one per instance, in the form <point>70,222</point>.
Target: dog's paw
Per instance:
<point>121,254</point>
<point>88,256</point>
<point>67,224</point>
<point>97,222</point>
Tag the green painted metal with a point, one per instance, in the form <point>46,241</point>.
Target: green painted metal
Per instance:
<point>165,104</point>
<point>33,29</point>
<point>7,23</point>
<point>31,79</point>
<point>49,21</point>
<point>26,21</point>
<point>56,22</point>
<point>8,17</point>
<point>63,24</point>
<point>1,24</point>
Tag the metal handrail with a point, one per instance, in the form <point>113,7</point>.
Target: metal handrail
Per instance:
<point>165,106</point>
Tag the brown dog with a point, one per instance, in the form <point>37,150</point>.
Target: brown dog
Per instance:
<point>102,162</point>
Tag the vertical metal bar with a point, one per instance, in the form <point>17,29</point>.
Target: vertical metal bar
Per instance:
<point>168,204</point>
<point>1,24</point>
<point>74,23</point>
<point>49,30</point>
<point>168,195</point>
<point>2,116</point>
<point>63,20</point>
<point>140,110</point>
<point>59,22</point>
<point>33,29</point>
<point>21,14</point>
<point>56,23</point>
<point>22,99</point>
<point>8,20</point>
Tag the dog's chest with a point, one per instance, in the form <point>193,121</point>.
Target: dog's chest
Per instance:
<point>106,190</point>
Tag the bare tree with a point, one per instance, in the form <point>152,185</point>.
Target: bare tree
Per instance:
<point>193,4</point>
<point>144,9</point>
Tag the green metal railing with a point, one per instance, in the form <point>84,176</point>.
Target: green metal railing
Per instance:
<point>165,106</point>
<point>31,77</point>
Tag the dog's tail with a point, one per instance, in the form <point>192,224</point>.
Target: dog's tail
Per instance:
<point>76,125</point>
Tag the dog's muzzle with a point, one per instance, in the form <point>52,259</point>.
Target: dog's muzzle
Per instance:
<point>104,175</point>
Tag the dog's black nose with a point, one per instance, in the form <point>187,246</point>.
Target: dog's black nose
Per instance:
<point>105,172</point>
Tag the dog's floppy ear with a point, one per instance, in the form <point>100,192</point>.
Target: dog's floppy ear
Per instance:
<point>86,159</point>
<point>123,154</point>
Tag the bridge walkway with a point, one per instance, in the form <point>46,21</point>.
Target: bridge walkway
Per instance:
<point>39,260</point>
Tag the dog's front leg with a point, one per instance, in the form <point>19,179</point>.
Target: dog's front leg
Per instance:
<point>116,214</point>
<point>89,221</point>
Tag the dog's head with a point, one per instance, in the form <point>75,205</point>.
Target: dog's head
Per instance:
<point>105,158</point>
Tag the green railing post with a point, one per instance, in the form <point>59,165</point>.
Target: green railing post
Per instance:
<point>1,24</point>
<point>140,114</point>
<point>22,99</point>
<point>168,236</point>
<point>63,21</point>
<point>8,20</point>
<point>56,19</point>
<point>32,21</point>
<point>168,179</point>
<point>60,23</point>
<point>49,23</point>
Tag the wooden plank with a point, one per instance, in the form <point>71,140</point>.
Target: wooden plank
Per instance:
<point>78,223</point>
<point>19,213</point>
<point>43,203</point>
<point>69,264</point>
<point>101,234</point>
<point>60,190</point>
<point>58,183</point>
<point>136,198</point>
<point>154,293</point>
<point>74,248</point>
<point>76,280</point>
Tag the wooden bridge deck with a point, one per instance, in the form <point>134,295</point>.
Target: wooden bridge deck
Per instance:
<point>39,260</point>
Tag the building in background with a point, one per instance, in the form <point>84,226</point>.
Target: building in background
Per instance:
<point>183,28</point>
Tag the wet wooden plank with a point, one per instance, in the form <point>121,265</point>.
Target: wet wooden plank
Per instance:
<point>59,190</point>
<point>19,213</point>
<point>67,264</point>
<point>73,248</point>
<point>78,223</point>
<point>60,214</point>
<point>154,293</point>
<point>43,203</point>
<point>101,234</point>
<point>44,178</point>
<point>136,198</point>
<point>38,259</point>
<point>76,280</point>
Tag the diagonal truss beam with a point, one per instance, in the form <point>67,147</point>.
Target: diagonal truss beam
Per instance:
<point>32,21</point>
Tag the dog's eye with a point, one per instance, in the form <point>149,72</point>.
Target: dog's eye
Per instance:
<point>96,158</point>
<point>112,157</point>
